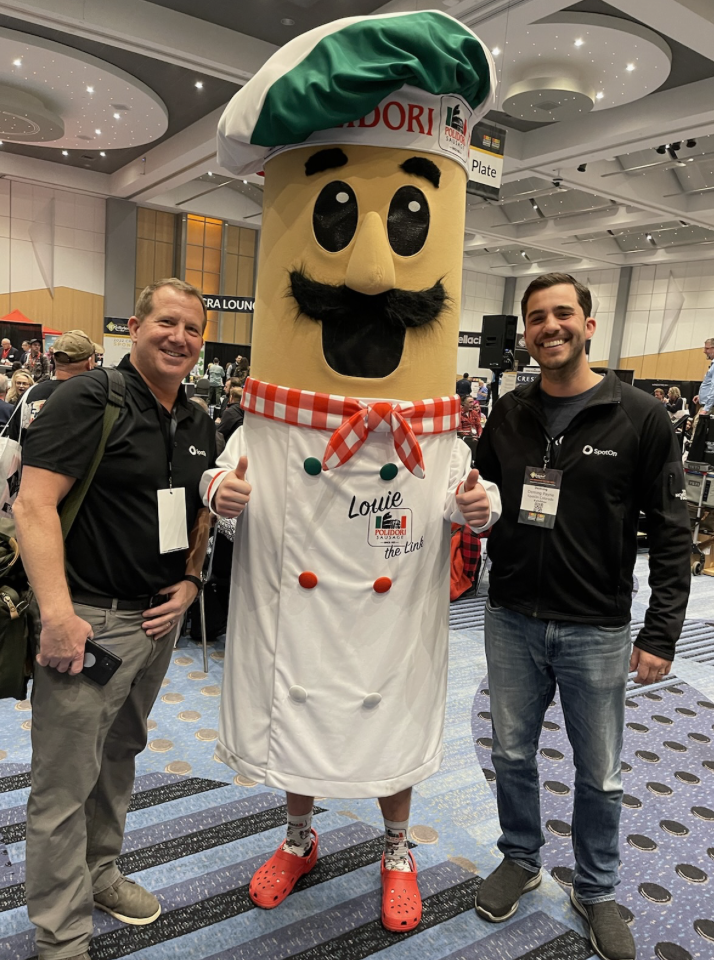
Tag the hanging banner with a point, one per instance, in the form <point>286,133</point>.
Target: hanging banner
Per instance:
<point>469,338</point>
<point>117,341</point>
<point>228,304</point>
<point>486,160</point>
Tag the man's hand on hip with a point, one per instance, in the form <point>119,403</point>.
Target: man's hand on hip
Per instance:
<point>233,494</point>
<point>162,619</point>
<point>62,644</point>
<point>650,669</point>
<point>472,500</point>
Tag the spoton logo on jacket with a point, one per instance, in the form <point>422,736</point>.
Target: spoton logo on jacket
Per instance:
<point>195,452</point>
<point>587,450</point>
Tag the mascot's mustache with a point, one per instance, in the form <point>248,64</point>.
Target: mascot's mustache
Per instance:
<point>337,303</point>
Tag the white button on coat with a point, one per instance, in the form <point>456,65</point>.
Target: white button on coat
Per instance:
<point>371,700</point>
<point>298,694</point>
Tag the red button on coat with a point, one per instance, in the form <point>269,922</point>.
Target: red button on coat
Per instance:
<point>382,584</point>
<point>307,580</point>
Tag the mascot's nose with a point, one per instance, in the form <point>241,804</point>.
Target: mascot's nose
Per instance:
<point>371,267</point>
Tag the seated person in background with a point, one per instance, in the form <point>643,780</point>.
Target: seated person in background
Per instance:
<point>231,419</point>
<point>21,381</point>
<point>659,395</point>
<point>200,402</point>
<point>222,404</point>
<point>470,426</point>
<point>24,352</point>
<point>674,402</point>
<point>6,409</point>
<point>8,353</point>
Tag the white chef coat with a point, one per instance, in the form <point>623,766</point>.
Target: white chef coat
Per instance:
<point>337,690</point>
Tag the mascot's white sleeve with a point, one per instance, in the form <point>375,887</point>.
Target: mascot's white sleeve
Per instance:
<point>459,470</point>
<point>226,463</point>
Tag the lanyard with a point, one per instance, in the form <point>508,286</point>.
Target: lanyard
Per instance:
<point>170,441</point>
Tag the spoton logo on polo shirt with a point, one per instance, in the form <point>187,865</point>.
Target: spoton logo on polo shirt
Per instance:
<point>393,527</point>
<point>588,450</point>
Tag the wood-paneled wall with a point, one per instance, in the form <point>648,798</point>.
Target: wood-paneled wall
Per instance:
<point>155,246</point>
<point>676,365</point>
<point>69,309</point>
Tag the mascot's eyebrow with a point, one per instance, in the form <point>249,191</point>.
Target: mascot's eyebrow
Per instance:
<point>421,167</point>
<point>325,160</point>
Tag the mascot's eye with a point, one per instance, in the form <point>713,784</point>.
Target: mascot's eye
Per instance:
<point>408,221</point>
<point>334,218</point>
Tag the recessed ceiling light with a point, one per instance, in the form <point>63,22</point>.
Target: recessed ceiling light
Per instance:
<point>288,22</point>
<point>210,174</point>
<point>245,181</point>
<point>102,153</point>
<point>90,89</point>
<point>496,51</point>
<point>199,84</point>
<point>0,143</point>
<point>17,63</point>
<point>117,116</point>
<point>599,95</point>
<point>65,153</point>
<point>579,42</point>
<point>98,132</point>
<point>630,67</point>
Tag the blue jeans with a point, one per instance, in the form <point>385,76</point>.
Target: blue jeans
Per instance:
<point>526,659</point>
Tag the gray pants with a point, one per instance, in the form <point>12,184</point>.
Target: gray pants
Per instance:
<point>85,738</point>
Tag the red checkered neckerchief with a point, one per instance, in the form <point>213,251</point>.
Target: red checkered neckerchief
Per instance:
<point>351,420</point>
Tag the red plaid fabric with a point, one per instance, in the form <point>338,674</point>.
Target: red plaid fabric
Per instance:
<point>352,420</point>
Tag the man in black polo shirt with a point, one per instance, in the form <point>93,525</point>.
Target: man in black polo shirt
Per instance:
<point>132,569</point>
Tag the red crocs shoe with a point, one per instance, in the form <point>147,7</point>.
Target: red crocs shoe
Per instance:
<point>273,881</point>
<point>401,900</point>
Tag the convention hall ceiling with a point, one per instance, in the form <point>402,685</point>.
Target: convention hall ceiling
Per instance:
<point>609,109</point>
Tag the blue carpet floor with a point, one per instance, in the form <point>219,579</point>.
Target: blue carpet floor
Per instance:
<point>195,832</point>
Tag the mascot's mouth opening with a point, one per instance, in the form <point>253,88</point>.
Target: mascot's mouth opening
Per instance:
<point>362,335</point>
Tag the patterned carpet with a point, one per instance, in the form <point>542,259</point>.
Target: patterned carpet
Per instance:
<point>195,834</point>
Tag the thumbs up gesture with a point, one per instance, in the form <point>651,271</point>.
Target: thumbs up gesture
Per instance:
<point>473,502</point>
<point>233,494</point>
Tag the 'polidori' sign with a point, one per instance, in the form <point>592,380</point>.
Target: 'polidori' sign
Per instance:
<point>228,304</point>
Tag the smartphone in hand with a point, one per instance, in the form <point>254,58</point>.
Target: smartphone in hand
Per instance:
<point>100,664</point>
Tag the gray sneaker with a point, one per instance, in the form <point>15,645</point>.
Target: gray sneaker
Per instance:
<point>497,897</point>
<point>128,902</point>
<point>609,934</point>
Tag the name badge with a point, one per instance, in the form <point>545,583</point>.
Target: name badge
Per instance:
<point>173,530</point>
<point>539,501</point>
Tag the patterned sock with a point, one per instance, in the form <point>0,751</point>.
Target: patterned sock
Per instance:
<point>396,849</point>
<point>299,838</point>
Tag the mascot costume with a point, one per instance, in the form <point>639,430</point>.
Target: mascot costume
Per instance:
<point>347,470</point>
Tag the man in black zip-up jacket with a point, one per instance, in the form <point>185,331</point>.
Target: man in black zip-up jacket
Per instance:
<point>576,457</point>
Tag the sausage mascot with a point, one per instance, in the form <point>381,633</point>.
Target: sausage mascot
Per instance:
<point>348,471</point>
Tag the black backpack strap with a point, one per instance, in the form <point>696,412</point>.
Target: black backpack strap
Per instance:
<point>116,391</point>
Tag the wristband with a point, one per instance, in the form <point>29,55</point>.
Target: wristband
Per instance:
<point>198,584</point>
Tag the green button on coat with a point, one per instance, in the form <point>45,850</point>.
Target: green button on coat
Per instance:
<point>388,471</point>
<point>313,466</point>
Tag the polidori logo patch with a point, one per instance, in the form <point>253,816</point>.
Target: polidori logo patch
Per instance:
<point>394,527</point>
<point>455,126</point>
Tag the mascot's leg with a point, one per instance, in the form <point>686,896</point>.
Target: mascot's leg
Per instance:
<point>295,857</point>
<point>401,901</point>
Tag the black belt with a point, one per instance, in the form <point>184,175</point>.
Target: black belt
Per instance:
<point>112,603</point>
